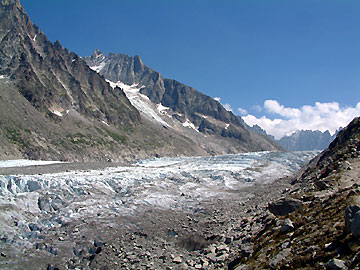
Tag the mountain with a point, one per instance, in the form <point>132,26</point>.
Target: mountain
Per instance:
<point>315,224</point>
<point>301,140</point>
<point>53,106</point>
<point>181,105</point>
<point>306,140</point>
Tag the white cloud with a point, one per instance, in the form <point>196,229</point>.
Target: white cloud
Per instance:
<point>217,99</point>
<point>242,111</point>
<point>257,108</point>
<point>272,106</point>
<point>228,107</point>
<point>321,116</point>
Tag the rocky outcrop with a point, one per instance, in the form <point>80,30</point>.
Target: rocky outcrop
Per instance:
<point>284,206</point>
<point>323,232</point>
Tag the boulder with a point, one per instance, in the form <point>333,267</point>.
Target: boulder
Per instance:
<point>335,264</point>
<point>287,226</point>
<point>177,259</point>
<point>284,206</point>
<point>352,220</point>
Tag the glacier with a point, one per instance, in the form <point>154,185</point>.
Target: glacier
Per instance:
<point>181,184</point>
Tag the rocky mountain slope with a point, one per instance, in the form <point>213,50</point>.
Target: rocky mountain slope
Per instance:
<point>179,105</point>
<point>315,225</point>
<point>53,106</point>
<point>82,116</point>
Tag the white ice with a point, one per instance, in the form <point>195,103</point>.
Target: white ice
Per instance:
<point>140,101</point>
<point>24,163</point>
<point>162,109</point>
<point>182,184</point>
<point>99,67</point>
<point>189,124</point>
<point>57,113</point>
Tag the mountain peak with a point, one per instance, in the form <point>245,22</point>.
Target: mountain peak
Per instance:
<point>138,64</point>
<point>11,2</point>
<point>97,53</point>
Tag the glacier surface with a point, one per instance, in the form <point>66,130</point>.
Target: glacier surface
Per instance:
<point>181,184</point>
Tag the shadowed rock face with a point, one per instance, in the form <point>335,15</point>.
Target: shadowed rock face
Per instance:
<point>284,206</point>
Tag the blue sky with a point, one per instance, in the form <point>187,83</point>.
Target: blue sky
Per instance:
<point>247,53</point>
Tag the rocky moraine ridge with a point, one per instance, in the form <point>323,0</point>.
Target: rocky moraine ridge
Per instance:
<point>315,225</point>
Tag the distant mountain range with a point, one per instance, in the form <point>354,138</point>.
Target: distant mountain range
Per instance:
<point>301,140</point>
<point>307,140</point>
<point>54,106</point>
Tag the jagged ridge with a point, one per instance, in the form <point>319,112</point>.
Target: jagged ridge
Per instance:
<point>186,103</point>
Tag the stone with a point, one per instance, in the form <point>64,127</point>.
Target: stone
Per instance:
<point>281,256</point>
<point>212,249</point>
<point>284,206</point>
<point>205,264</point>
<point>222,258</point>
<point>222,248</point>
<point>287,226</point>
<point>246,250</point>
<point>335,264</point>
<point>352,220</point>
<point>177,259</point>
<point>228,240</point>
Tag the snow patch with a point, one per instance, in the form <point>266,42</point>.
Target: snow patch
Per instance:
<point>141,102</point>
<point>3,77</point>
<point>34,39</point>
<point>105,123</point>
<point>57,113</point>
<point>99,67</point>
<point>190,125</point>
<point>227,126</point>
<point>162,109</point>
<point>25,162</point>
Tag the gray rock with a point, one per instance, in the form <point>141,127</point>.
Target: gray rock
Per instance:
<point>352,220</point>
<point>284,206</point>
<point>246,250</point>
<point>282,255</point>
<point>287,226</point>
<point>335,264</point>
<point>177,259</point>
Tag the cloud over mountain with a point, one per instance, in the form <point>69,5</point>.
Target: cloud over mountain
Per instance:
<point>322,116</point>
